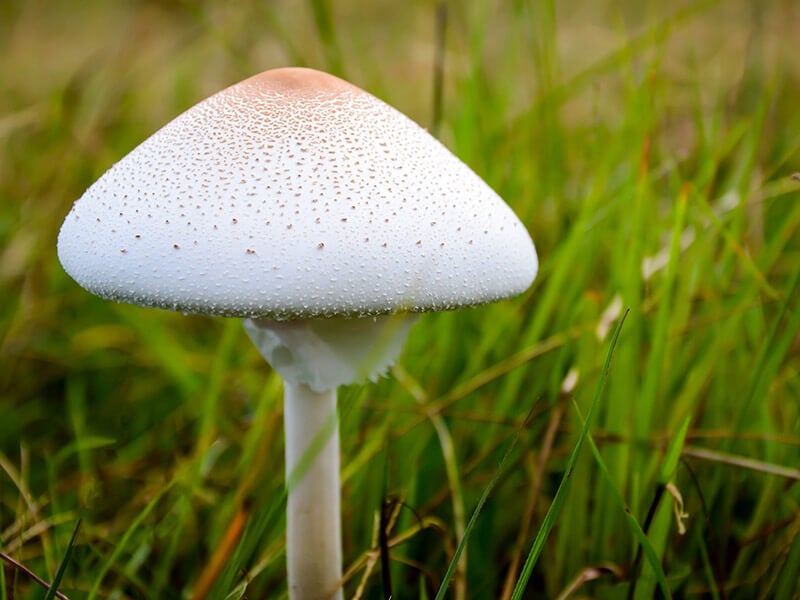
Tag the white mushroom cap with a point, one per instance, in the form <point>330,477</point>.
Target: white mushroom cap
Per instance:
<point>294,194</point>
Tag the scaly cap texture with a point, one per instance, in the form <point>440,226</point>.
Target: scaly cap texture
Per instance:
<point>294,194</point>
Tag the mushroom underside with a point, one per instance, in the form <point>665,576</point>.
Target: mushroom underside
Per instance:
<point>327,353</point>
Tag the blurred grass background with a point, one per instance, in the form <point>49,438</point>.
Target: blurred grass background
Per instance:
<point>650,150</point>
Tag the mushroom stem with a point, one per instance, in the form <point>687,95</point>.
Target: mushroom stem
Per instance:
<point>313,522</point>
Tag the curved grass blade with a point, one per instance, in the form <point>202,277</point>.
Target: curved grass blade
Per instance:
<point>644,543</point>
<point>563,487</point>
<point>451,569</point>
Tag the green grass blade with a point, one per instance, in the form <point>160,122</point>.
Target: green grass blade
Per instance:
<point>773,350</point>
<point>326,31</point>
<point>708,567</point>
<point>653,372</point>
<point>3,586</point>
<point>641,536</point>
<point>558,500</point>
<point>451,569</point>
<point>787,586</point>
<point>123,542</point>
<point>52,592</point>
<point>457,495</point>
<point>673,455</point>
<point>657,527</point>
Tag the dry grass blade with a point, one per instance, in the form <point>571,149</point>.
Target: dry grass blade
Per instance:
<point>742,462</point>
<point>20,567</point>
<point>590,574</point>
<point>221,555</point>
<point>527,517</point>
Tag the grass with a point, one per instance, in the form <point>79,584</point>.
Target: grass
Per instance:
<point>651,153</point>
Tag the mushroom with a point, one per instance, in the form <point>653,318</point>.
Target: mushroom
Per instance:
<point>327,220</point>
